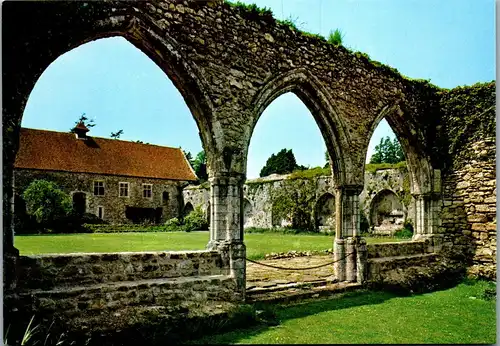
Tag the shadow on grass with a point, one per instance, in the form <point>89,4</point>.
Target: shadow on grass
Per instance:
<point>275,314</point>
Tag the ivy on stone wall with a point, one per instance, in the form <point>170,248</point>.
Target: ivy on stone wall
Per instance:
<point>469,115</point>
<point>294,202</point>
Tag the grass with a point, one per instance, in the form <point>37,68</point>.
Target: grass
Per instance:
<point>336,37</point>
<point>257,244</point>
<point>454,316</point>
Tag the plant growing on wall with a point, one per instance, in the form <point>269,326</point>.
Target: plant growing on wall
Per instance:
<point>336,37</point>
<point>46,202</point>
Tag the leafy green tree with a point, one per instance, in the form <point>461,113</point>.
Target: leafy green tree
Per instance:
<point>200,166</point>
<point>282,163</point>
<point>46,202</point>
<point>387,151</point>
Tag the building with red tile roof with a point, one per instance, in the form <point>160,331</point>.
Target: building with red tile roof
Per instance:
<point>119,181</point>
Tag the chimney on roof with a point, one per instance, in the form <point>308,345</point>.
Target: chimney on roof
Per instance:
<point>80,130</point>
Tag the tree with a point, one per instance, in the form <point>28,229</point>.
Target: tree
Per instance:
<point>282,163</point>
<point>46,202</point>
<point>387,151</point>
<point>200,166</point>
<point>83,119</point>
<point>117,134</point>
<point>327,159</point>
<point>189,157</point>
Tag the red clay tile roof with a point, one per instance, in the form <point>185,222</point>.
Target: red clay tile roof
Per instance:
<point>61,151</point>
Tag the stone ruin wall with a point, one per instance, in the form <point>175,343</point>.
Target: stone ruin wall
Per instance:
<point>468,201</point>
<point>468,215</point>
<point>258,193</point>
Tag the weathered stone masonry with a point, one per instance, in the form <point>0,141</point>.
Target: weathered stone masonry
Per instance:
<point>259,195</point>
<point>230,64</point>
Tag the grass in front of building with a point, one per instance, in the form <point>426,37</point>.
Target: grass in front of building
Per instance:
<point>257,244</point>
<point>464,314</point>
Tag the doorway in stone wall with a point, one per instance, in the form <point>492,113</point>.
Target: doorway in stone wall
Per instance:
<point>80,202</point>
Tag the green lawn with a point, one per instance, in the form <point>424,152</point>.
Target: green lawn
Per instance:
<point>257,244</point>
<point>455,316</point>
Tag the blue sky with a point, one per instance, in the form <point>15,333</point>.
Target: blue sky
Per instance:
<point>450,42</point>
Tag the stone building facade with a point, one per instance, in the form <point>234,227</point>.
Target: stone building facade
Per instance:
<point>149,191</point>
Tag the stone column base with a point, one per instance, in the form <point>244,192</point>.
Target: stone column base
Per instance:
<point>340,264</point>
<point>350,252</point>
<point>361,260</point>
<point>233,254</point>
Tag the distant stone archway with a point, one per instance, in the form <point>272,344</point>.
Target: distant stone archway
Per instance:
<point>386,212</point>
<point>188,208</point>
<point>324,212</point>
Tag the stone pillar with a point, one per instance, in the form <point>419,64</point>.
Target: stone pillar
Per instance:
<point>426,211</point>
<point>350,221</point>
<point>339,266</point>
<point>350,211</point>
<point>226,226</point>
<point>339,243</point>
<point>346,231</point>
<point>10,253</point>
<point>361,260</point>
<point>350,267</point>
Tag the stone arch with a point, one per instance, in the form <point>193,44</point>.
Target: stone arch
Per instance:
<point>324,212</point>
<point>317,99</point>
<point>247,213</point>
<point>65,26</point>
<point>418,162</point>
<point>386,212</point>
<point>188,207</point>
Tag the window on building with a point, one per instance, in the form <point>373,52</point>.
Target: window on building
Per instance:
<point>165,197</point>
<point>100,212</point>
<point>98,188</point>
<point>123,189</point>
<point>147,190</point>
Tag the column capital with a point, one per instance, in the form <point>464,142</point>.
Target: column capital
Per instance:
<point>227,179</point>
<point>350,189</point>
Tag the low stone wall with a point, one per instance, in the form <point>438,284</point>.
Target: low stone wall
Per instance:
<point>410,266</point>
<point>110,289</point>
<point>397,249</point>
<point>69,270</point>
